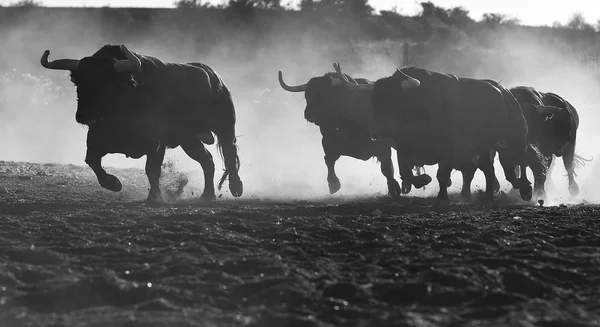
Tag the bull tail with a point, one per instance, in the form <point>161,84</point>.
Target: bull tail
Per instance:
<point>227,171</point>
<point>579,162</point>
<point>226,143</point>
<point>536,156</point>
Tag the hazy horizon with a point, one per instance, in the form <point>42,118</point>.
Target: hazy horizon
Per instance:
<point>529,12</point>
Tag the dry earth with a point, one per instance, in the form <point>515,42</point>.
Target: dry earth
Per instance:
<point>73,254</point>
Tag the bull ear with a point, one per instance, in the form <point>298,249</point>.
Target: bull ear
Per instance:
<point>548,117</point>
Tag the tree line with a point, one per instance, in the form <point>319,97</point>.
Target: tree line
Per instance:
<point>456,16</point>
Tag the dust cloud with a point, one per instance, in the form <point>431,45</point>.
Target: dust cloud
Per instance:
<point>280,151</point>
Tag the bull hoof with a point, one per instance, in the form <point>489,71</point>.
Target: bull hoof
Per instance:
<point>486,201</point>
<point>441,204</point>
<point>236,187</point>
<point>516,184</point>
<point>466,196</point>
<point>394,189</point>
<point>406,187</point>
<point>526,192</point>
<point>496,186</point>
<point>208,197</point>
<point>574,189</point>
<point>334,185</point>
<point>421,180</point>
<point>154,199</point>
<point>111,182</point>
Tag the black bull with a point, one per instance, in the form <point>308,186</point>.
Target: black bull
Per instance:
<point>552,124</point>
<point>442,119</point>
<point>139,105</point>
<point>344,119</point>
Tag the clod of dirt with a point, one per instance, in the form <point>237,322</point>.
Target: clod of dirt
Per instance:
<point>541,203</point>
<point>377,212</point>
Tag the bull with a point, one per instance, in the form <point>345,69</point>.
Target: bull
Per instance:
<point>139,105</point>
<point>345,119</point>
<point>443,119</point>
<point>553,124</point>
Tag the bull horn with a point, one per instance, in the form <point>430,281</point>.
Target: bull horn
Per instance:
<point>297,88</point>
<point>338,70</point>
<point>131,64</point>
<point>409,82</point>
<point>59,64</point>
<point>344,80</point>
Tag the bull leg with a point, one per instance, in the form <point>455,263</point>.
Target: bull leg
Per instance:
<point>443,175</point>
<point>539,177</point>
<point>568,158</point>
<point>525,189</point>
<point>227,143</point>
<point>517,155</point>
<point>198,152</point>
<point>332,180</point>
<point>331,156</point>
<point>154,162</point>
<point>387,169</point>
<point>486,164</point>
<point>106,180</point>
<point>467,174</point>
<point>93,157</point>
<point>509,168</point>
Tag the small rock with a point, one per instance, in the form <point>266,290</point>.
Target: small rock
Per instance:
<point>377,212</point>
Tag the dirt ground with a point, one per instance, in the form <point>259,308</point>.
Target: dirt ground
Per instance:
<point>74,254</point>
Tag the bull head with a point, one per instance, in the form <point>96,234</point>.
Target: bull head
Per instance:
<point>322,98</point>
<point>131,64</point>
<point>102,81</point>
<point>302,87</point>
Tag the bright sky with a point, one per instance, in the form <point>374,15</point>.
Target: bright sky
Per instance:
<point>530,12</point>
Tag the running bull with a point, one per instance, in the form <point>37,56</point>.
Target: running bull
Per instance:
<point>139,105</point>
<point>345,118</point>
<point>553,124</point>
<point>442,119</point>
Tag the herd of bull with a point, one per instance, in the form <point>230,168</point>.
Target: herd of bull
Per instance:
<point>139,105</point>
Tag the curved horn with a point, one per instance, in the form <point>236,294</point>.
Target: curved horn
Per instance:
<point>131,64</point>
<point>59,64</point>
<point>297,88</point>
<point>409,82</point>
<point>338,70</point>
<point>344,80</point>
